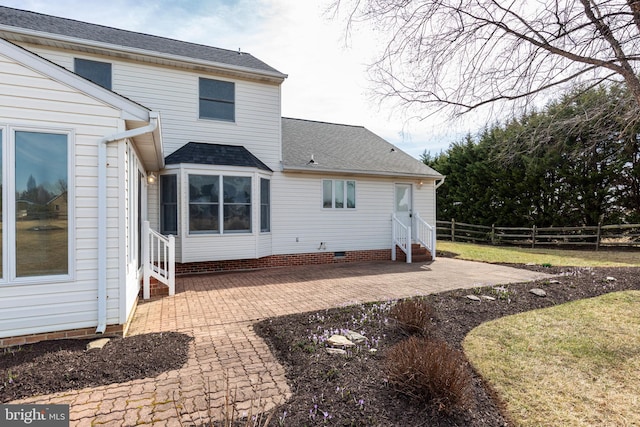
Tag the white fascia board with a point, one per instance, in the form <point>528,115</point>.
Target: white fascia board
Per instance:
<point>129,109</point>
<point>325,171</point>
<point>182,60</point>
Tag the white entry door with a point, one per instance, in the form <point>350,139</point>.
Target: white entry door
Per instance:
<point>403,203</point>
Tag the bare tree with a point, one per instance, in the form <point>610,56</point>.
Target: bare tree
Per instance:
<point>460,55</point>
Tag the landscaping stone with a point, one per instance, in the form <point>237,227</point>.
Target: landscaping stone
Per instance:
<point>332,350</point>
<point>554,282</point>
<point>98,344</point>
<point>611,279</point>
<point>488,298</point>
<point>355,337</point>
<point>538,292</point>
<point>340,341</point>
<point>473,297</point>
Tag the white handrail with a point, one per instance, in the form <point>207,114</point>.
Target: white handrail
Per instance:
<point>158,254</point>
<point>401,237</point>
<point>426,235</point>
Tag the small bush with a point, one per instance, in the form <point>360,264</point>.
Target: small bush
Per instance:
<point>431,372</point>
<point>414,316</point>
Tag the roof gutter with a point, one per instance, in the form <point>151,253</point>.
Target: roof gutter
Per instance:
<point>317,170</point>
<point>102,212</point>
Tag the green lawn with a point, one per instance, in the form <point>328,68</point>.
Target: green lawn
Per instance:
<point>542,256</point>
<point>576,364</point>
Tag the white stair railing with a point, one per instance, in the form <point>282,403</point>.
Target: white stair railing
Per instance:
<point>159,260</point>
<point>425,235</point>
<point>400,237</point>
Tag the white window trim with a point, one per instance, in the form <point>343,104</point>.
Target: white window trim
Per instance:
<point>259,179</point>
<point>333,197</point>
<point>9,213</point>
<point>220,174</point>
<point>235,101</point>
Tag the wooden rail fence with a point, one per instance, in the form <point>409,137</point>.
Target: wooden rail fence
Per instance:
<point>617,235</point>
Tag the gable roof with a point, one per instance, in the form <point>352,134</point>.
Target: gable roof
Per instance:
<point>134,114</point>
<point>201,153</point>
<point>32,27</point>
<point>345,149</point>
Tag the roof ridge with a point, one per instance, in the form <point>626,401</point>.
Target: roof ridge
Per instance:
<point>324,122</point>
<point>121,29</point>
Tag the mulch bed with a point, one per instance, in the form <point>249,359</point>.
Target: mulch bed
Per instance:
<point>352,390</point>
<point>327,389</point>
<point>53,366</point>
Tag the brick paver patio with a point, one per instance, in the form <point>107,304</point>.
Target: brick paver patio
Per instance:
<point>219,310</point>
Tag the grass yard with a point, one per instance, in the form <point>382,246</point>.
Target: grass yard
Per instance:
<point>575,364</point>
<point>42,247</point>
<point>542,256</point>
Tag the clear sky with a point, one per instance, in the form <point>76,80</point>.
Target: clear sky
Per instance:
<point>327,76</point>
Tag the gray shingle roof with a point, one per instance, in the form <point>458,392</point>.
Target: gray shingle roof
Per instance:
<point>113,36</point>
<point>344,148</point>
<point>215,154</point>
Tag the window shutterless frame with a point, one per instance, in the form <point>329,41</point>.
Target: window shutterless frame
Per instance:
<point>38,194</point>
<point>216,99</point>
<point>96,71</point>
<point>338,194</point>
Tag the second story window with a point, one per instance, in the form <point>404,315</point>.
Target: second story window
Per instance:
<point>217,100</point>
<point>97,72</point>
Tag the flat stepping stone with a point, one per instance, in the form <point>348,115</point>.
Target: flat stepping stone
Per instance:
<point>473,297</point>
<point>340,341</point>
<point>554,282</point>
<point>331,350</point>
<point>611,279</point>
<point>355,337</point>
<point>538,292</point>
<point>98,344</point>
<point>488,298</point>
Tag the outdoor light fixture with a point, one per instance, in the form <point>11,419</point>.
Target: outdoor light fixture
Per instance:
<point>152,178</point>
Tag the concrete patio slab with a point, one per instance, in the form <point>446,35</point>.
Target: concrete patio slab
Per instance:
<point>219,311</point>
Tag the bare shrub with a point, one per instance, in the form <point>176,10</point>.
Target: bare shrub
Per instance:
<point>431,372</point>
<point>414,316</point>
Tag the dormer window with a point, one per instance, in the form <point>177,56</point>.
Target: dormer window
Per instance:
<point>217,100</point>
<point>96,71</point>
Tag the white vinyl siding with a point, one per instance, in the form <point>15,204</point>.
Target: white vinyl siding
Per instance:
<point>29,99</point>
<point>300,223</point>
<point>174,93</point>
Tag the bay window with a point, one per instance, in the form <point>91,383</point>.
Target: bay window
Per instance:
<point>208,204</point>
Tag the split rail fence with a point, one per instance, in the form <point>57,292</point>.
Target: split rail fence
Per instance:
<point>618,235</point>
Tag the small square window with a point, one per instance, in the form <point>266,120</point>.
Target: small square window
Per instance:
<point>338,194</point>
<point>97,72</point>
<point>217,100</point>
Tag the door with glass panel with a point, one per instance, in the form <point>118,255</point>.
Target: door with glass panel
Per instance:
<point>403,206</point>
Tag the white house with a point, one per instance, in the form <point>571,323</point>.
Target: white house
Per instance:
<point>145,137</point>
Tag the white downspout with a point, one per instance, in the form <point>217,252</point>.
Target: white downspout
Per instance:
<point>102,213</point>
<point>439,183</point>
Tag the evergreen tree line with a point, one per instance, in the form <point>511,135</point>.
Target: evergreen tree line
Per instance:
<point>576,162</point>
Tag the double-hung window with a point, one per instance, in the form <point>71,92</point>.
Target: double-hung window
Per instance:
<point>217,99</point>
<point>168,204</point>
<point>265,205</point>
<point>35,232</point>
<point>96,71</point>
<point>338,194</point>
